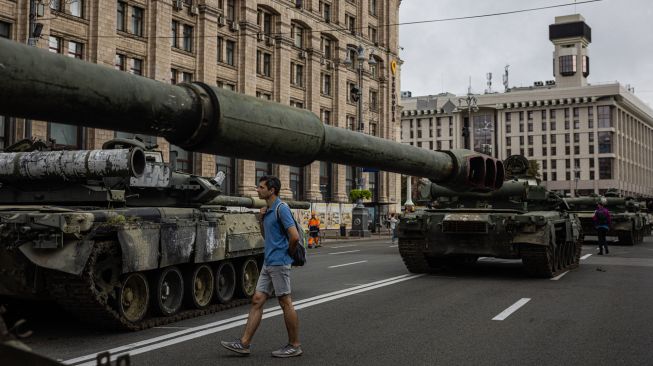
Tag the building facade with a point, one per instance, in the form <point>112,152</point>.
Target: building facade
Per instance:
<point>288,51</point>
<point>586,138</point>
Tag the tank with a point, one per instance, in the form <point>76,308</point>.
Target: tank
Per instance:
<point>130,244</point>
<point>521,220</point>
<point>630,222</point>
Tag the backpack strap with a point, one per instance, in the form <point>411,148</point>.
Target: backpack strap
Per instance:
<point>283,229</point>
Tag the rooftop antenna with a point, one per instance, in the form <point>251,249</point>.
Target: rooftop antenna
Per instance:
<point>489,83</point>
<point>505,79</point>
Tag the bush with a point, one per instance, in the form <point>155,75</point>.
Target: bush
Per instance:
<point>355,194</point>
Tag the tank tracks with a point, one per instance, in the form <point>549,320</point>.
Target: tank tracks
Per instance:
<point>413,257</point>
<point>544,261</point>
<point>84,298</point>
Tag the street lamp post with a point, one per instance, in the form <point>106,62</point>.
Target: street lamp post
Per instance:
<point>360,216</point>
<point>470,103</point>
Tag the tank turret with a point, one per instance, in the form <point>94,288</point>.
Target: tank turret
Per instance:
<point>213,120</point>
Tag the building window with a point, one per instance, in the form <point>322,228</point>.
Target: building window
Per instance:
<point>326,46</point>
<point>350,23</point>
<point>325,115</point>
<point>591,137</point>
<point>586,66</point>
<point>187,77</point>
<point>530,140</point>
<point>605,116</point>
<point>296,104</point>
<point>552,124</point>
<point>54,44</point>
<point>567,65</point>
<point>325,84</point>
<point>121,62</point>
<point>231,53</point>
<point>372,34</point>
<point>174,76</point>
<point>56,5</point>
<point>121,14</point>
<point>543,139</point>
<point>605,168</point>
<point>325,11</point>
<point>373,7</point>
<point>577,150</point>
<point>591,162</point>
<point>5,30</point>
<point>65,135</point>
<point>591,149</point>
<point>325,180</point>
<point>137,20</point>
<point>566,124</point>
<point>554,152</point>
<point>262,169</point>
<point>350,181</point>
<point>183,159</point>
<point>508,129</point>
<point>605,142</point>
<point>220,51</point>
<point>188,38</point>
<point>576,124</point>
<point>264,21</point>
<point>267,96</point>
<point>227,165</point>
<point>351,124</point>
<point>374,100</point>
<point>231,14</point>
<point>76,8</point>
<point>137,66</point>
<point>296,74</point>
<point>297,34</point>
<point>174,34</point>
<point>297,182</point>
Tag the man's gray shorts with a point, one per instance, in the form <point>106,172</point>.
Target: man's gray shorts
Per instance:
<point>274,280</point>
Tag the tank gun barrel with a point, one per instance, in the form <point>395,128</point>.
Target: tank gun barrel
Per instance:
<point>71,165</point>
<point>251,202</point>
<point>431,191</point>
<point>213,120</point>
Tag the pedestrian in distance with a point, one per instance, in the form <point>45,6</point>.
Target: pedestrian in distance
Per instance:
<point>314,231</point>
<point>602,222</point>
<point>393,227</point>
<point>281,239</point>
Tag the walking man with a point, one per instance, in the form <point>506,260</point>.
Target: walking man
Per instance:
<point>314,231</point>
<point>602,223</point>
<point>281,238</point>
<point>393,226</point>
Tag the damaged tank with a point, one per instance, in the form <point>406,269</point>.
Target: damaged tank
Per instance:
<point>124,241</point>
<point>521,220</point>
<point>630,222</point>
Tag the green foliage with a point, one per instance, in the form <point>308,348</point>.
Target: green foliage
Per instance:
<point>355,194</point>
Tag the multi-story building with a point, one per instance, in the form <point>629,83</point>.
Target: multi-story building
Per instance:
<point>586,137</point>
<point>288,51</point>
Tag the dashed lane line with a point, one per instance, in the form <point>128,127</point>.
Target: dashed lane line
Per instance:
<point>348,251</point>
<point>347,264</point>
<point>559,276</point>
<point>585,256</point>
<point>514,307</point>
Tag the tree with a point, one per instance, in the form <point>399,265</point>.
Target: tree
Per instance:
<point>363,194</point>
<point>533,169</point>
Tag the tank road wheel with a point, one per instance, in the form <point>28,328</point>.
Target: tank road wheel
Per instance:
<point>133,297</point>
<point>539,261</point>
<point>169,291</point>
<point>225,282</point>
<point>248,277</point>
<point>413,257</point>
<point>200,286</point>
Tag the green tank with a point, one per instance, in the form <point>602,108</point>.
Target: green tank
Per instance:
<point>522,220</point>
<point>120,239</point>
<point>629,220</point>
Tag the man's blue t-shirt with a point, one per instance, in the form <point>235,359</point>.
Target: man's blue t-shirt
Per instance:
<point>276,241</point>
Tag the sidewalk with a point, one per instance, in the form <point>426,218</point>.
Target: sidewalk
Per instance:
<point>383,235</point>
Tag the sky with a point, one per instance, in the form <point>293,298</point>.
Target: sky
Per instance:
<point>442,56</point>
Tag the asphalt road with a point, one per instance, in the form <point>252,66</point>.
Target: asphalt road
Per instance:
<point>357,304</point>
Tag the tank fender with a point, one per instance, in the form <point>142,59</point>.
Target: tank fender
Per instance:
<point>71,258</point>
<point>626,225</point>
<point>139,244</point>
<point>540,236</point>
<point>177,241</point>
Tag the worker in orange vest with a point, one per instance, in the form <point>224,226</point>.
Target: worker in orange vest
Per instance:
<point>314,231</point>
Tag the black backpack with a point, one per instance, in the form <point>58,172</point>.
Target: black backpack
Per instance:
<point>601,218</point>
<point>299,256</point>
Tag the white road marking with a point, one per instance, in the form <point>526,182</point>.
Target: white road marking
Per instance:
<point>514,307</point>
<point>481,258</point>
<point>559,276</point>
<point>148,345</point>
<point>349,251</point>
<point>393,246</point>
<point>343,246</point>
<point>347,264</point>
<point>585,256</point>
<point>170,327</point>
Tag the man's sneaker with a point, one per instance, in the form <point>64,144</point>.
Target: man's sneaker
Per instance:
<point>236,346</point>
<point>288,351</point>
